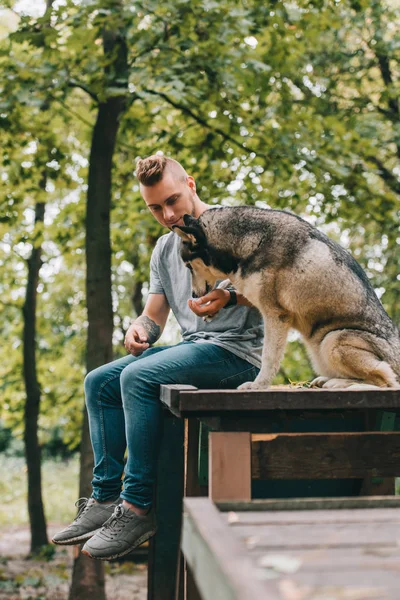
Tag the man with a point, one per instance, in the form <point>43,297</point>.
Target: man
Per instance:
<point>122,397</point>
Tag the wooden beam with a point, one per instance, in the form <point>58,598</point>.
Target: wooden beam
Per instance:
<point>170,396</point>
<point>214,401</point>
<point>229,466</point>
<point>311,504</point>
<point>325,455</point>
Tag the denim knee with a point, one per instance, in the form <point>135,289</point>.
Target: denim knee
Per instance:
<point>136,378</point>
<point>94,382</point>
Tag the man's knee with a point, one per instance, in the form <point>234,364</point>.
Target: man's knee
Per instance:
<point>94,382</point>
<point>133,374</point>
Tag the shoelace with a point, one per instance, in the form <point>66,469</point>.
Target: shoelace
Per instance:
<point>117,520</point>
<point>81,505</point>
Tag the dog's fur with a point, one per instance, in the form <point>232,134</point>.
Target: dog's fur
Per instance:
<point>297,278</point>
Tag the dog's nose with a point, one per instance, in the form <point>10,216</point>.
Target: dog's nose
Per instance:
<point>194,295</point>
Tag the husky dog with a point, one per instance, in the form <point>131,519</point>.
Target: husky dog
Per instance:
<point>297,278</point>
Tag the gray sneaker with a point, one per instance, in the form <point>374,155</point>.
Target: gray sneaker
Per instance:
<point>120,534</point>
<point>89,520</point>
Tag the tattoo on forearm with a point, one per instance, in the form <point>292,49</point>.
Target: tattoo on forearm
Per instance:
<point>152,329</point>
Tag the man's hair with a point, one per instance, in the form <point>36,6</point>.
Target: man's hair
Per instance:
<point>151,170</point>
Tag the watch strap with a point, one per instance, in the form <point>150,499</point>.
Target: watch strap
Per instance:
<point>232,300</point>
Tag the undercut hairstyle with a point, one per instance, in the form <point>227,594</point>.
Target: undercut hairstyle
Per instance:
<point>150,170</point>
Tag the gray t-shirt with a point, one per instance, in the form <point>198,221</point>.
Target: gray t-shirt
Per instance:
<point>239,329</point>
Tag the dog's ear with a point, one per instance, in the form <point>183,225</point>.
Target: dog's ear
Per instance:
<point>191,231</point>
<point>186,233</point>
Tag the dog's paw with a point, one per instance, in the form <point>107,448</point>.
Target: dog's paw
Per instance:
<point>253,385</point>
<point>319,382</point>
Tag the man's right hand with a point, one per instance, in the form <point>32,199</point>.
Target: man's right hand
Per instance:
<point>136,339</point>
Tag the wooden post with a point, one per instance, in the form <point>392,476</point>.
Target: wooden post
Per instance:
<point>164,547</point>
<point>230,466</point>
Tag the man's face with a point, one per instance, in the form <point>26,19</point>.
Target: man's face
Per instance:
<point>170,199</point>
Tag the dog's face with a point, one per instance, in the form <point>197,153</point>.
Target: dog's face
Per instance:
<point>196,256</point>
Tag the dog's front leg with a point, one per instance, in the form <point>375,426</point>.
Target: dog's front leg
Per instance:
<point>275,335</point>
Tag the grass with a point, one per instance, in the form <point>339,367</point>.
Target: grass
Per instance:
<point>60,490</point>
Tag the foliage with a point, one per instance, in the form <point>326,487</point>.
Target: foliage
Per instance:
<point>60,489</point>
<point>278,103</point>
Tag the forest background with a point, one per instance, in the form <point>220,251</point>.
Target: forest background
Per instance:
<point>284,104</point>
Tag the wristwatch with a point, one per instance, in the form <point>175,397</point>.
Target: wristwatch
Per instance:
<point>232,300</point>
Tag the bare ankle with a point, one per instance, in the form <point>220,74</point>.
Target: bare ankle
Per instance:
<point>136,509</point>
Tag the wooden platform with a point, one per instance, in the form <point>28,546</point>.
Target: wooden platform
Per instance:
<point>286,443</point>
<point>309,549</point>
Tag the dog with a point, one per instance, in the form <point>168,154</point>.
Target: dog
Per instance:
<point>297,278</point>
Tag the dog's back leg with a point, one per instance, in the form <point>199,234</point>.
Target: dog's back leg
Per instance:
<point>275,335</point>
<point>352,359</point>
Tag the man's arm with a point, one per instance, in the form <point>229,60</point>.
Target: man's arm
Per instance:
<point>148,327</point>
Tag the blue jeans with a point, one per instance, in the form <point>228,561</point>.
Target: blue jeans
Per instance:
<point>123,403</point>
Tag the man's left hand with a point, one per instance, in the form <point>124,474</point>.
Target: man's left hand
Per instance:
<point>210,304</point>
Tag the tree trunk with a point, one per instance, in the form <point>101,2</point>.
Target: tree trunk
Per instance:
<point>137,298</point>
<point>88,574</point>
<point>37,518</point>
<point>32,448</point>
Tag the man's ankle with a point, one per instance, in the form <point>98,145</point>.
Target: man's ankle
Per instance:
<point>136,509</point>
<point>105,501</point>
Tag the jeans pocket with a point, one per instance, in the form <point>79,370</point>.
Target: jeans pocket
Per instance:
<point>237,379</point>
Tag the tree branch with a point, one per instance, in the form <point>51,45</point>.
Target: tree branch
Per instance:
<point>389,178</point>
<point>205,124</point>
<point>77,84</point>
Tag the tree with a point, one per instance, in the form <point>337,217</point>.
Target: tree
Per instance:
<point>292,105</point>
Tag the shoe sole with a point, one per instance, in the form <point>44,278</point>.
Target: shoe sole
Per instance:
<point>76,540</point>
<point>141,540</point>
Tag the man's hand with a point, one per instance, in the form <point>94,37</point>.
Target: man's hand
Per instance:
<point>210,304</point>
<point>136,339</point>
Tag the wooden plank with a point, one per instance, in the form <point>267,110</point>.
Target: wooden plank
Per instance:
<point>214,401</point>
<point>335,559</point>
<point>170,396</point>
<point>373,486</point>
<point>311,517</point>
<point>164,546</point>
<point>217,559</point>
<point>300,535</point>
<point>293,421</point>
<point>342,585</point>
<point>229,466</point>
<point>296,504</point>
<point>325,455</point>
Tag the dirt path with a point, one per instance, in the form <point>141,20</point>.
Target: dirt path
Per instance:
<point>22,579</point>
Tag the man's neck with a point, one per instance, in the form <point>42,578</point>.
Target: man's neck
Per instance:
<point>200,208</point>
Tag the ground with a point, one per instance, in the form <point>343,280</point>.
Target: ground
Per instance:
<point>22,579</point>
<point>49,579</point>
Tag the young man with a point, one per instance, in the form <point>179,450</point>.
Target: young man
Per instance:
<point>122,397</point>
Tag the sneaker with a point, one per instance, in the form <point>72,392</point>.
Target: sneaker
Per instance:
<point>89,520</point>
<point>120,534</point>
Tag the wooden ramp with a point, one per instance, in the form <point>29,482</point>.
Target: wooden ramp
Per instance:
<point>308,549</point>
